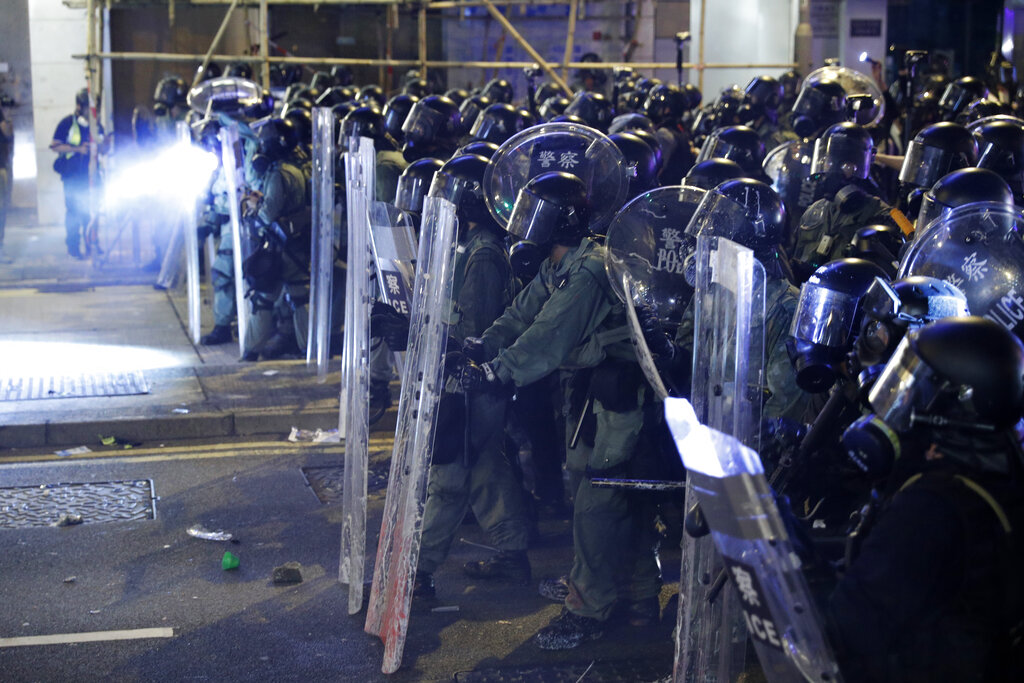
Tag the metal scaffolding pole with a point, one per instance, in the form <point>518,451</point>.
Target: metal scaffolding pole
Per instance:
<point>571,38</point>
<point>265,43</point>
<point>507,25</point>
<point>216,41</point>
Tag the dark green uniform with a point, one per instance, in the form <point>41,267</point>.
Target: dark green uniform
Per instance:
<point>567,318</point>
<point>284,202</point>
<point>483,287</point>
<point>828,226</point>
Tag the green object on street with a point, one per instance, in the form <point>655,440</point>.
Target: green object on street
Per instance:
<point>229,561</point>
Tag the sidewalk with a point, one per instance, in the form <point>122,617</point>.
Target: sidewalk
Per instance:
<point>64,317</point>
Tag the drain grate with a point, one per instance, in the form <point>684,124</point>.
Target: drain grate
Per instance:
<point>73,386</point>
<point>106,501</point>
<point>327,481</point>
<point>627,671</point>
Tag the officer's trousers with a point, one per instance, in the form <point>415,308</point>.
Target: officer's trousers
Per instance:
<point>223,272</point>
<point>489,487</point>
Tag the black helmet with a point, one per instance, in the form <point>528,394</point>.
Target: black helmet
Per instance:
<point>665,103</point>
<point>736,143</point>
<point>745,211</point>
<point>844,152</point>
<point>414,183</point>
<point>433,121</point>
<point>396,111</point>
<point>417,87</point>
<point>553,106</point>
<point>546,90</point>
<point>711,173</point>
<point>277,137</point>
<point>818,106</point>
<point>881,244</point>
<point>341,75</point>
<point>1001,149</point>
<point>333,96</point>
<point>908,303</point>
<point>691,96</point>
<point>299,92</point>
<point>498,90</point>
<point>372,94</point>
<point>630,101</point>
<point>303,122</point>
<point>471,108</point>
<point>460,181</point>
<point>765,91</point>
<point>170,91</point>
<point>645,85</point>
<point>457,95</point>
<point>641,160</point>
<point>479,147</point>
<point>968,370</point>
<point>652,141</point>
<point>592,107</point>
<point>321,81</point>
<point>959,188</point>
<point>260,108</point>
<point>498,123</point>
<point>959,94</point>
<point>979,109</point>
<point>366,122</point>
<point>790,82</point>
<point>341,111</point>
<point>240,70</point>
<point>627,123</point>
<point>937,150</point>
<point>211,71</point>
<point>827,315</point>
<point>552,208</point>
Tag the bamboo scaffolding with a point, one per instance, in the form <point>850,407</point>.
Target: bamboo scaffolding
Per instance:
<point>216,41</point>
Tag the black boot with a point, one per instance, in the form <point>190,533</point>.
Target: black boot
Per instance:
<point>423,586</point>
<point>507,564</point>
<point>567,631</point>
<point>380,400</point>
<point>220,334</point>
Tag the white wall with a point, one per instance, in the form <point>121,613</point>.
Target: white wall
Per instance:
<point>56,33</point>
<point>742,32</point>
<point>850,47</point>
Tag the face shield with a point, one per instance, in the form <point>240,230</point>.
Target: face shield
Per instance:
<point>882,302</point>
<point>422,124</point>
<point>489,128</point>
<point>715,148</point>
<point>906,385</point>
<point>411,191</point>
<point>824,316</point>
<point>534,219</point>
<point>842,157</point>
<point>923,164</point>
<point>450,187</point>
<point>719,216</point>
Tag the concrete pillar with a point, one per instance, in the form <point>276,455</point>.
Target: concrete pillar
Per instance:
<point>16,83</point>
<point>862,29</point>
<point>56,33</point>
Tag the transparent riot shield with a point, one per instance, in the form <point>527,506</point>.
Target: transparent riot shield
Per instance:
<point>399,543</point>
<point>322,249</point>
<point>394,254</point>
<point>728,361</point>
<point>854,83</point>
<point>231,163</point>
<point>728,481</point>
<point>646,248</point>
<point>360,164</point>
<point>188,222</point>
<point>789,168</point>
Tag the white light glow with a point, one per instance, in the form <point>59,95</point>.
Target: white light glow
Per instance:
<point>175,175</point>
<point>34,358</point>
<point>864,56</point>
<point>24,159</point>
<point>1008,47</point>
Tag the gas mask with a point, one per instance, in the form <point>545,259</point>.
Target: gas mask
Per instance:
<point>525,258</point>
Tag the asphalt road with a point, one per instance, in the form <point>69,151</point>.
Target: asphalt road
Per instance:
<point>124,576</point>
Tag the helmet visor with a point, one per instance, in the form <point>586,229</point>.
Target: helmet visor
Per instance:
<point>534,219</point>
<point>931,210</point>
<point>719,216</point>
<point>411,190</point>
<point>811,102</point>
<point>823,316</point>
<point>423,123</point>
<point>842,157</point>
<point>490,129</point>
<point>924,164</point>
<point>715,148</point>
<point>448,187</point>
<point>906,383</point>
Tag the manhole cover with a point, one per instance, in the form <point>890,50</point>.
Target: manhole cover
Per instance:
<point>626,671</point>
<point>106,501</point>
<point>73,386</point>
<point>327,481</point>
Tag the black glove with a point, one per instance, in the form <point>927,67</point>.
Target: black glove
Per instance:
<point>454,362</point>
<point>473,347</point>
<point>657,339</point>
<point>390,325</point>
<point>481,378</point>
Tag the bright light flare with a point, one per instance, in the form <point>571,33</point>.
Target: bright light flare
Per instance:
<point>176,175</point>
<point>35,358</point>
